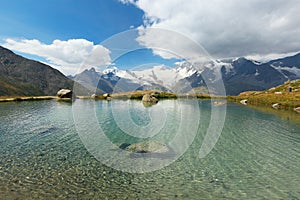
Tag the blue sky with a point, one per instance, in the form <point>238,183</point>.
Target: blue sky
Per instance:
<point>48,20</point>
<point>63,33</point>
<point>91,20</point>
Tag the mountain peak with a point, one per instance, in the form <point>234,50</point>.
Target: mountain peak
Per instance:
<point>241,60</point>
<point>93,69</point>
<point>111,69</point>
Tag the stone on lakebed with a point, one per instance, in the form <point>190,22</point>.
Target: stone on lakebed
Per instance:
<point>148,147</point>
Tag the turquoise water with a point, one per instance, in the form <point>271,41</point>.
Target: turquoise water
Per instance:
<point>257,156</point>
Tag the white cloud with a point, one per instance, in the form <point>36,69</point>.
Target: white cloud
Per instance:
<point>226,28</point>
<point>169,44</point>
<point>272,56</point>
<point>127,1</point>
<point>66,56</point>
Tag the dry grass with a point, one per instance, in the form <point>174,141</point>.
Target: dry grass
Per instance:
<point>280,95</point>
<point>22,98</point>
<point>140,93</point>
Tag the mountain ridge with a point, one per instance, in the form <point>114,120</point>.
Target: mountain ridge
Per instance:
<point>238,75</point>
<point>25,77</point>
<point>22,76</point>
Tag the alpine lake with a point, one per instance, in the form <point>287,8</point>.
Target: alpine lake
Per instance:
<point>43,154</point>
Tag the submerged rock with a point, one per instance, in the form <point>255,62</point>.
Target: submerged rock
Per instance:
<point>219,103</point>
<point>108,98</point>
<point>65,93</point>
<point>124,145</point>
<point>148,147</point>
<point>148,104</point>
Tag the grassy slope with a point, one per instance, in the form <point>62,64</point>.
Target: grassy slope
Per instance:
<point>280,94</point>
<point>9,86</point>
<point>24,77</point>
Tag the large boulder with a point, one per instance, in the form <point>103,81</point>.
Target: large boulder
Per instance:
<point>276,106</point>
<point>149,98</point>
<point>65,93</point>
<point>244,101</point>
<point>94,96</point>
<point>106,95</point>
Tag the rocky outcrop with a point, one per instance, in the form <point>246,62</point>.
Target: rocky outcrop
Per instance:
<point>149,98</point>
<point>65,94</point>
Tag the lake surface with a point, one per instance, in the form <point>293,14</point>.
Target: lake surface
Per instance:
<point>47,153</point>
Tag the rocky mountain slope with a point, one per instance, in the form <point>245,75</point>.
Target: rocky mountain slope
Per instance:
<point>238,75</point>
<point>23,77</point>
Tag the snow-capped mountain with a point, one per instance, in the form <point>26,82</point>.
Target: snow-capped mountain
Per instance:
<point>238,75</point>
<point>163,75</point>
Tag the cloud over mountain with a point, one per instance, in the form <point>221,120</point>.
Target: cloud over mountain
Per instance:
<point>66,56</point>
<point>228,28</point>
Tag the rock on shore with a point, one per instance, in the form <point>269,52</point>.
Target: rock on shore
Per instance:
<point>65,93</point>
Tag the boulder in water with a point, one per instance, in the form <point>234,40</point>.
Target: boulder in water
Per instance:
<point>276,106</point>
<point>297,109</point>
<point>94,96</point>
<point>244,101</point>
<point>148,147</point>
<point>149,98</point>
<point>65,94</point>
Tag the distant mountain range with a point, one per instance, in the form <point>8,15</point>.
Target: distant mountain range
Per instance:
<point>21,76</point>
<point>238,75</point>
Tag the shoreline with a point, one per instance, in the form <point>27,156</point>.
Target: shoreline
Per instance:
<point>26,98</point>
<point>119,96</point>
<point>275,102</point>
<point>285,112</point>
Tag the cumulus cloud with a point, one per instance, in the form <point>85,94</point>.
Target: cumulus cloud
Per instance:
<point>225,28</point>
<point>169,44</point>
<point>66,56</point>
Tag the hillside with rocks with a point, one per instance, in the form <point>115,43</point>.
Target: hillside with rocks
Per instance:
<point>24,77</point>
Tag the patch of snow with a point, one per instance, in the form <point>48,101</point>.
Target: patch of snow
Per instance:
<point>256,62</point>
<point>162,75</point>
<point>235,59</point>
<point>228,66</point>
<point>110,69</point>
<point>293,70</point>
